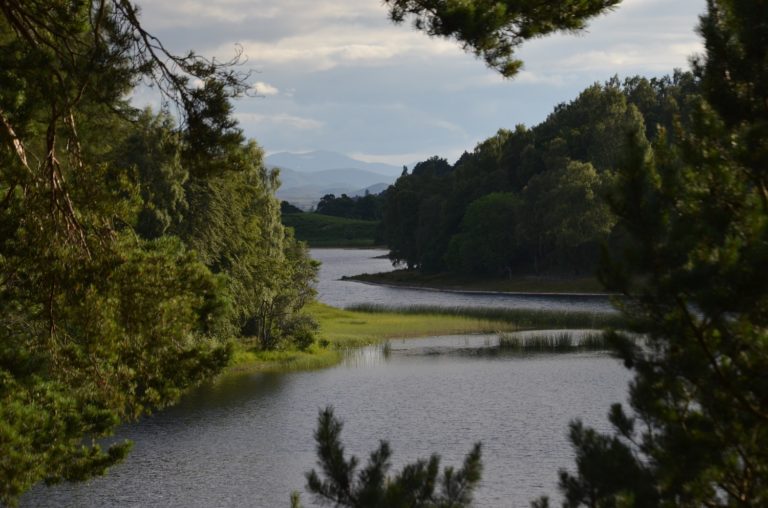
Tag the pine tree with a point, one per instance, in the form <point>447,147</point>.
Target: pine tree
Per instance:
<point>415,486</point>
<point>697,211</point>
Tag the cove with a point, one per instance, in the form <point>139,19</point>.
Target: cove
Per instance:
<point>247,440</point>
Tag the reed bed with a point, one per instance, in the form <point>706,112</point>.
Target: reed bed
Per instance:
<point>562,342</point>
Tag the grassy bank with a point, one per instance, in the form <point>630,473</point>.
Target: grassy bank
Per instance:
<point>341,329</point>
<point>364,325</point>
<point>327,231</point>
<point>358,327</point>
<point>518,319</point>
<point>517,284</point>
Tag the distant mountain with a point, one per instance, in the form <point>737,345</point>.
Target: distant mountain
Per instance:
<point>304,189</point>
<point>307,177</point>
<point>372,189</point>
<point>322,160</point>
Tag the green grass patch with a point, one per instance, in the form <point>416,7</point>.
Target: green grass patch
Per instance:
<point>521,319</point>
<point>252,360</point>
<point>327,231</point>
<point>363,325</point>
<point>353,327</point>
<point>516,284</point>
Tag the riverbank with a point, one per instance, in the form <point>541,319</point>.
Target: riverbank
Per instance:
<point>527,284</point>
<point>342,329</point>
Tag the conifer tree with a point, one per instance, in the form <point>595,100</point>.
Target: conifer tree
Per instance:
<point>697,211</point>
<point>417,485</point>
<point>493,29</point>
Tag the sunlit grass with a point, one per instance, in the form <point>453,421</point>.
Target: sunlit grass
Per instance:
<point>350,328</point>
<point>520,319</point>
<point>314,357</point>
<point>340,329</point>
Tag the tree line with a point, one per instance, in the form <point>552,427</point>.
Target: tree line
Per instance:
<point>366,207</point>
<point>531,200</point>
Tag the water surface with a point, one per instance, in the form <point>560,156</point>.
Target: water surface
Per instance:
<point>248,441</point>
<point>340,262</point>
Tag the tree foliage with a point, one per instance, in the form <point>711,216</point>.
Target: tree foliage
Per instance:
<point>418,485</point>
<point>107,317</point>
<point>366,207</point>
<point>494,29</point>
<point>558,173</point>
<point>696,206</point>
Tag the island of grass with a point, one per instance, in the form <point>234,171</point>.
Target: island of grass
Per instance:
<point>320,230</point>
<point>527,284</point>
<point>364,325</point>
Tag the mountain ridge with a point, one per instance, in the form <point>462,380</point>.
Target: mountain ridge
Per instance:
<point>323,160</point>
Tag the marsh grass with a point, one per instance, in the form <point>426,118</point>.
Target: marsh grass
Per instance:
<point>553,342</point>
<point>353,328</point>
<point>521,319</point>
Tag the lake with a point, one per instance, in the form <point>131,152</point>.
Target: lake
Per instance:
<point>247,440</point>
<point>340,262</point>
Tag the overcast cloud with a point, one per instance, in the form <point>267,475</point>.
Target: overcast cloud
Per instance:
<point>337,75</point>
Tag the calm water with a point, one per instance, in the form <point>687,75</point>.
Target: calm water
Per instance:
<point>340,262</point>
<point>247,441</point>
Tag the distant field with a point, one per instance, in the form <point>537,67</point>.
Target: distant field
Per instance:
<point>327,231</point>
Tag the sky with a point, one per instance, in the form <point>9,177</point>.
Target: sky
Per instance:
<point>338,75</point>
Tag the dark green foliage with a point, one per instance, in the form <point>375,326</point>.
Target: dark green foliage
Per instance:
<point>494,29</point>
<point>420,484</point>
<point>434,166</point>
<point>487,238</point>
<point>286,207</point>
<point>696,207</point>
<point>367,207</point>
<point>152,153</point>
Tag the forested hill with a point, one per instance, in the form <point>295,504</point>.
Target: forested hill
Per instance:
<point>532,200</point>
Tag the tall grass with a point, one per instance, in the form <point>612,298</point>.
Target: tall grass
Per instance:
<point>553,342</point>
<point>521,318</point>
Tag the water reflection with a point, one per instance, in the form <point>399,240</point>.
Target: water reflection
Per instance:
<point>489,345</point>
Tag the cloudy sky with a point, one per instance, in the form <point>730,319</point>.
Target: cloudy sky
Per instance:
<point>337,75</point>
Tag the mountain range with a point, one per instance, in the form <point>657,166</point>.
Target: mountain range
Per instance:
<point>307,177</point>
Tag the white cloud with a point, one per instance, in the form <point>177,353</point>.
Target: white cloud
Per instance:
<point>333,46</point>
<point>341,77</point>
<point>265,89</point>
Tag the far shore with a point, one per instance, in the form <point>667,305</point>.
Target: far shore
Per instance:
<point>524,285</point>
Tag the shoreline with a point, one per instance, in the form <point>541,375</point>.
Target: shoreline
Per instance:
<point>436,289</point>
<point>527,286</point>
<point>341,329</point>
